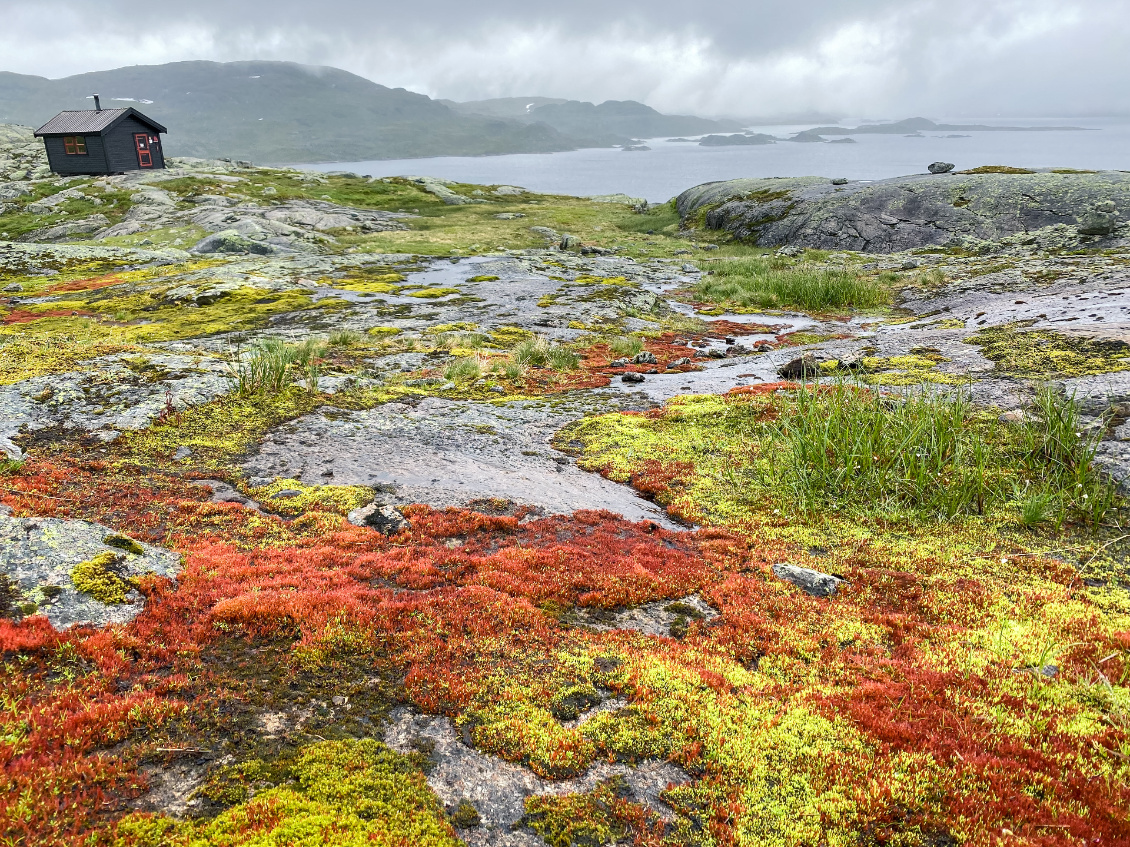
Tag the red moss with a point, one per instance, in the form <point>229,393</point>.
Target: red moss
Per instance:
<point>91,284</point>
<point>23,316</point>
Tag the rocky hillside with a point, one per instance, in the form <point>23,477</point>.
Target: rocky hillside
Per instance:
<point>278,112</point>
<point>1055,209</point>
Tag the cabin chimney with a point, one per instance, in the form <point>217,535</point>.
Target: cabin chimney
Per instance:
<point>97,104</point>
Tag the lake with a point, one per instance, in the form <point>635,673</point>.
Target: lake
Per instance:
<point>671,167</point>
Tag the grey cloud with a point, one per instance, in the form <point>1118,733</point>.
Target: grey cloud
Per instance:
<point>775,56</point>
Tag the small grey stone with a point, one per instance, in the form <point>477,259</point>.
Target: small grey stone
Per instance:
<point>678,363</point>
<point>811,582</point>
<point>286,493</point>
<point>631,376</point>
<point>800,367</point>
<point>840,180</point>
<point>645,358</point>
<point>940,168</point>
<point>15,286</point>
<point>1014,416</point>
<point>790,250</point>
<point>569,242</point>
<point>619,363</point>
<point>447,386</point>
<point>384,519</point>
<point>183,452</point>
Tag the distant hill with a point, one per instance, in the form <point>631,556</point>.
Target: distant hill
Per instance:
<point>503,107</point>
<point>611,122</point>
<point>272,112</point>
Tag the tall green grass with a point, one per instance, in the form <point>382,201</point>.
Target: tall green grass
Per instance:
<point>626,345</point>
<point>272,364</point>
<point>540,352</point>
<point>839,446</point>
<point>766,282</point>
<point>1056,449</point>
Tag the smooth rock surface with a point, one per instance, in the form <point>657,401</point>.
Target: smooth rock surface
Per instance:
<point>38,554</point>
<point>905,213</point>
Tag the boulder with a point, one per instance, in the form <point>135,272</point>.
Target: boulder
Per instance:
<point>813,583</point>
<point>644,358</point>
<point>384,519</point>
<point>1101,220</point>
<point>911,212</point>
<point>801,367</point>
<point>940,167</point>
<point>631,376</point>
<point>230,241</point>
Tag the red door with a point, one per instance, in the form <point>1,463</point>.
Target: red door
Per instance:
<point>144,156</point>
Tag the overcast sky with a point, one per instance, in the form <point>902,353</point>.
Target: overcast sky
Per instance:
<point>875,58</point>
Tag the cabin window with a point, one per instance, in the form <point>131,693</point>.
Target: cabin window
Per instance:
<point>75,145</point>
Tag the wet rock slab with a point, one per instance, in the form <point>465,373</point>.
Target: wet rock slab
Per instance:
<point>450,452</point>
<point>498,789</point>
<point>38,555</point>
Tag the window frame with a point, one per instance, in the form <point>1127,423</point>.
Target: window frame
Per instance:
<point>75,145</point>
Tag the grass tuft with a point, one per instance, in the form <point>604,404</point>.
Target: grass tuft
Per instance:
<point>774,283</point>
<point>626,345</point>
<point>273,364</point>
<point>542,353</point>
<point>466,369</point>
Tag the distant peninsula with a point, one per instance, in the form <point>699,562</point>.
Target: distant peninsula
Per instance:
<point>911,125</point>
<point>736,140</point>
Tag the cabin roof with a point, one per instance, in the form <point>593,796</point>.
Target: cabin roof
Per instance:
<point>92,120</point>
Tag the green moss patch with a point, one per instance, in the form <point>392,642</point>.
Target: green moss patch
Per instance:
<point>996,169</point>
<point>1049,355</point>
<point>100,578</point>
<point>353,793</point>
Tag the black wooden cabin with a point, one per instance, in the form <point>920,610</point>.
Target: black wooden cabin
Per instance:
<point>102,141</point>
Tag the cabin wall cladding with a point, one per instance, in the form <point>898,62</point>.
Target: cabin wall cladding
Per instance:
<point>121,150</point>
<point>93,162</point>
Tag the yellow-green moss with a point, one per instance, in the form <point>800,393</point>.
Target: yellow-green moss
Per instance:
<point>1044,354</point>
<point>381,283</point>
<point>339,499</point>
<point>98,578</point>
<point>124,542</point>
<point>354,793</point>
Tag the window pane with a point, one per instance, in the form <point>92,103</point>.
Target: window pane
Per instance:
<point>69,144</point>
<point>80,145</point>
